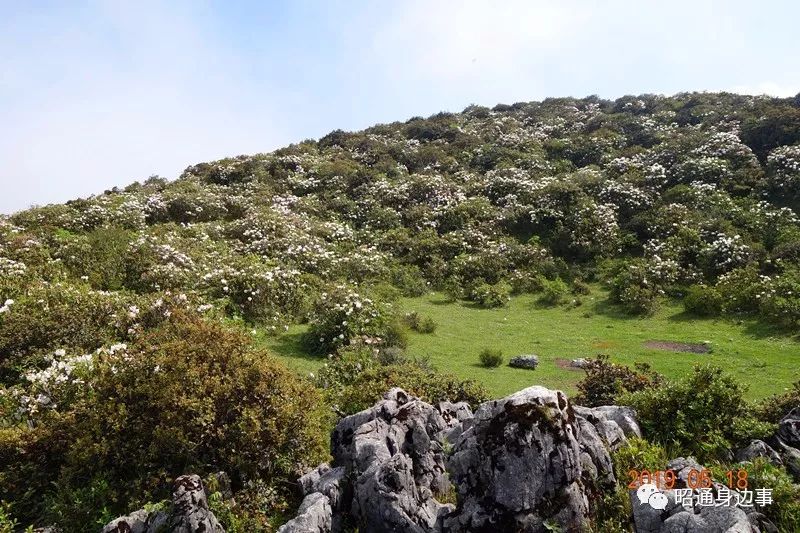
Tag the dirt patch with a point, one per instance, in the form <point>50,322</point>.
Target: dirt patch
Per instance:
<point>686,347</point>
<point>566,364</point>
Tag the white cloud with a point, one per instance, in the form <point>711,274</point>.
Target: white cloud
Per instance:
<point>456,40</point>
<point>154,97</point>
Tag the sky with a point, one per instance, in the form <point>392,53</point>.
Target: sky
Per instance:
<point>101,94</point>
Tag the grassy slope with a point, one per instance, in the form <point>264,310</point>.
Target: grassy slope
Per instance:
<point>766,360</point>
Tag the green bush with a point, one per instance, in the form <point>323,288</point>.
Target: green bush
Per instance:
<point>580,287</point>
<point>779,302</point>
<point>554,291</point>
<point>704,415</point>
<point>491,357</point>
<point>343,316</point>
<point>427,325</point>
<point>489,296</point>
<point>785,509</point>
<point>100,255</point>
<point>189,397</point>
<point>636,289</point>
<point>409,280</point>
<point>605,381</point>
<point>420,324</point>
<point>774,408</point>
<point>701,300</point>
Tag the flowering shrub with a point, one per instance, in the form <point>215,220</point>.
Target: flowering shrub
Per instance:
<point>779,300</point>
<point>489,296</point>
<point>638,286</point>
<point>703,301</point>
<point>783,165</point>
<point>343,316</point>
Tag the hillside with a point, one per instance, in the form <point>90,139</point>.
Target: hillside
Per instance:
<point>665,219</point>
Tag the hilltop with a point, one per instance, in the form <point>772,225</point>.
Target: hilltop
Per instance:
<point>147,309</point>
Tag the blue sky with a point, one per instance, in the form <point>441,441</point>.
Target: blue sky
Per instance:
<point>99,94</point>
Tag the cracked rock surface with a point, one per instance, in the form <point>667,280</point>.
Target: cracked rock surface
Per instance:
<point>189,513</point>
<point>523,463</point>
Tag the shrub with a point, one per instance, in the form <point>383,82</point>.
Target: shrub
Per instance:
<point>785,509</point>
<point>703,415</point>
<point>739,289</point>
<point>775,407</point>
<point>491,357</point>
<point>420,324</point>
<point>489,296</point>
<point>779,301</point>
<point>60,316</point>
<point>580,287</point>
<point>395,335</point>
<point>636,288</point>
<point>409,280</point>
<point>343,369</point>
<point>553,291</point>
<point>613,513</point>
<point>189,397</point>
<point>703,301</point>
<point>343,316</point>
<point>605,381</point>
<point>99,255</point>
<point>638,300</point>
<point>427,325</point>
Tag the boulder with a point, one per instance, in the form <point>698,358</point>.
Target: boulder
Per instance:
<point>189,513</point>
<point>524,361</point>
<point>789,428</point>
<point>315,515</point>
<point>519,466</point>
<point>758,448</point>
<point>614,424</point>
<point>388,466</point>
<point>694,518</point>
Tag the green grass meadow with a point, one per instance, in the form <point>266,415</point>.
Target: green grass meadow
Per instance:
<point>759,356</point>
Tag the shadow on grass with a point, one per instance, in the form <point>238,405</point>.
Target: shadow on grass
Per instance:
<point>760,330</point>
<point>441,300</point>
<point>751,326</point>
<point>609,309</point>
<point>685,316</point>
<point>291,345</point>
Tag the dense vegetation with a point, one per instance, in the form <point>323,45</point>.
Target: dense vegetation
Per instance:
<point>124,317</point>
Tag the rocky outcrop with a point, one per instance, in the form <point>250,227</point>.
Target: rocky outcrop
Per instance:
<point>188,513</point>
<point>782,448</point>
<point>690,516</point>
<point>527,462</point>
<point>518,467</point>
<point>524,361</point>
